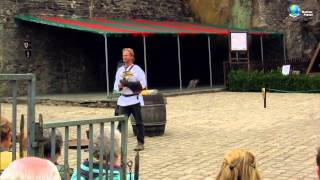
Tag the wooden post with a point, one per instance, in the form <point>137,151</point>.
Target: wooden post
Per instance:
<point>264,96</point>
<point>136,166</point>
<point>21,137</point>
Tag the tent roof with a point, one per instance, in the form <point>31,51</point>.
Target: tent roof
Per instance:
<point>135,26</point>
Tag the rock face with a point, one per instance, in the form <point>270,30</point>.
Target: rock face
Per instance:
<point>302,33</point>
<point>212,11</point>
<point>66,70</point>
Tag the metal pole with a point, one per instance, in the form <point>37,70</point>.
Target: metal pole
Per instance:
<point>261,46</point>
<point>107,62</point>
<point>229,47</point>
<point>66,151</point>
<point>78,150</point>
<point>179,60</point>
<point>210,68</point>
<point>248,52</point>
<point>31,114</point>
<point>14,118</point>
<point>145,59</point>
<point>284,48</point>
<point>124,143</point>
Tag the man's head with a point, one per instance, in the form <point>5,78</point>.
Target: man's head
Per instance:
<point>127,55</point>
<point>31,168</point>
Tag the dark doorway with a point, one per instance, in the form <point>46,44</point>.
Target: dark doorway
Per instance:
<point>195,59</point>
<point>162,58</point>
<point>220,53</point>
<point>255,48</point>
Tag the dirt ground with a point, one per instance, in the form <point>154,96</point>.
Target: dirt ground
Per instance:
<point>202,128</point>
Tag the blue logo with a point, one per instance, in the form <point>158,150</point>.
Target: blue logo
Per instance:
<point>294,10</point>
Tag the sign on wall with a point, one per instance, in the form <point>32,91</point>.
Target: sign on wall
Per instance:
<point>286,70</point>
<point>239,41</point>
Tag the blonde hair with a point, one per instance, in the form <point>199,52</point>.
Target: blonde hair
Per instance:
<point>107,143</point>
<point>31,168</point>
<point>130,50</point>
<point>239,164</point>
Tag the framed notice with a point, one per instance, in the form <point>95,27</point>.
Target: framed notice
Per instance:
<point>239,41</point>
<point>286,70</point>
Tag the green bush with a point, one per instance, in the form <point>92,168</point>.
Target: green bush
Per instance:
<point>253,81</point>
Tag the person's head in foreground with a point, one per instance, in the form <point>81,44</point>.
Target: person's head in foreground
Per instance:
<point>106,154</point>
<point>239,164</point>
<point>31,168</point>
<point>318,161</point>
<point>107,144</point>
<point>6,134</point>
<point>47,144</point>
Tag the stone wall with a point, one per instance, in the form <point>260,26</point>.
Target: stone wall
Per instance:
<point>63,64</point>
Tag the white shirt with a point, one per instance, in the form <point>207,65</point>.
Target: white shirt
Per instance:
<point>133,74</point>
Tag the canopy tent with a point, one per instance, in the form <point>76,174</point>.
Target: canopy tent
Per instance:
<point>140,27</point>
<point>135,26</point>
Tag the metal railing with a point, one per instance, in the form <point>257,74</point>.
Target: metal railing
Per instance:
<point>35,129</point>
<point>91,122</point>
<point>13,80</point>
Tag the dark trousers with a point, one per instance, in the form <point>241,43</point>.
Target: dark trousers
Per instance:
<point>135,110</point>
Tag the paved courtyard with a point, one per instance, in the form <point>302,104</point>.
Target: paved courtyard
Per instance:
<point>202,128</point>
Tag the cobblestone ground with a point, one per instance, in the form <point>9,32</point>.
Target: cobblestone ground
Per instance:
<point>202,128</point>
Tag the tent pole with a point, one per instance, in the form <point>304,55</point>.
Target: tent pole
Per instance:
<point>179,60</point>
<point>284,48</point>
<point>107,62</point>
<point>145,59</point>
<point>209,51</point>
<point>261,46</point>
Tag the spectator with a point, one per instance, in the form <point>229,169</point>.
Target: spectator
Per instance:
<point>6,134</point>
<point>31,168</point>
<point>239,165</point>
<point>96,150</point>
<point>58,148</point>
<point>6,143</point>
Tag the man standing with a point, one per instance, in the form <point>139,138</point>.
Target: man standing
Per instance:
<point>130,80</point>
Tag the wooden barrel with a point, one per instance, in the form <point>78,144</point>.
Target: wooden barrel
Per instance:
<point>154,115</point>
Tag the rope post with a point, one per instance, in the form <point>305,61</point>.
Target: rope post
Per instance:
<point>264,96</point>
<point>136,166</point>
